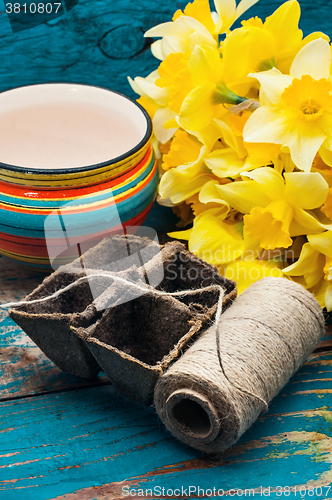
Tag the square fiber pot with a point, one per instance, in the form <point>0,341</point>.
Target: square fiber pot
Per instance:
<point>136,341</point>
<point>132,338</point>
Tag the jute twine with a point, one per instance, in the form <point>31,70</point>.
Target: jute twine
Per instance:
<point>216,391</point>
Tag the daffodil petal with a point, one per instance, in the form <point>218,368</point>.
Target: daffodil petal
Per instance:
<point>267,124</point>
<point>244,273</point>
<point>162,116</point>
<point>273,83</point>
<point>215,241</point>
<point>176,35</point>
<point>225,163</point>
<point>283,25</point>
<point>189,25</point>
<point>201,39</point>
<point>156,49</point>
<point>209,194</point>
<point>325,222</point>
<point>304,223</point>
<point>208,135</point>
<point>243,6</point>
<point>230,138</point>
<point>162,29</point>
<point>325,123</point>
<point>306,190</point>
<point>304,141</point>
<point>319,291</point>
<point>197,110</point>
<point>181,27</point>
<point>182,235</point>
<point>149,89</point>
<point>313,59</point>
<point>314,36</point>
<point>309,266</point>
<point>243,195</point>
<point>226,10</point>
<point>200,9</point>
<point>326,155</point>
<point>179,186</point>
<point>173,45</point>
<point>270,180</point>
<point>322,242</point>
<point>205,65</point>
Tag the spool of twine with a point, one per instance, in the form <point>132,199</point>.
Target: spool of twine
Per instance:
<point>221,384</point>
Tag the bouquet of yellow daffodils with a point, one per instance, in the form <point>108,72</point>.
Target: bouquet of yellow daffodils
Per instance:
<point>243,130</point>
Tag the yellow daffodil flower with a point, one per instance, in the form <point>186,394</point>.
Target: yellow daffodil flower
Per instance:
<point>221,244</point>
<point>177,185</point>
<point>199,10</point>
<point>186,172</point>
<point>184,150</point>
<point>213,240</point>
<point>150,107</point>
<point>158,99</point>
<point>176,78</point>
<point>179,36</point>
<point>197,25</point>
<point>231,158</point>
<point>209,95</point>
<point>259,46</point>
<point>228,12</point>
<point>245,272</point>
<point>194,163</point>
<point>199,204</point>
<point>276,207</point>
<point>313,269</point>
<point>297,110</point>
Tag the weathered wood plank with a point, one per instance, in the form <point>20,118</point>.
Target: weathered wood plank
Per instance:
<point>96,42</point>
<point>102,42</point>
<point>24,369</point>
<point>16,281</point>
<point>94,442</point>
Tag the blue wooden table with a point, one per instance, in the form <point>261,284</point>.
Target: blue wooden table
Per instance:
<point>65,438</point>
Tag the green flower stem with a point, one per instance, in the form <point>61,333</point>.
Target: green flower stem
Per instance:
<point>223,95</point>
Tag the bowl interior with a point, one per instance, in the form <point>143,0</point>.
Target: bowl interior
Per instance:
<point>60,127</point>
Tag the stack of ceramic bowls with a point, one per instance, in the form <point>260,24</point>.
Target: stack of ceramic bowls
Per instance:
<point>77,165</point>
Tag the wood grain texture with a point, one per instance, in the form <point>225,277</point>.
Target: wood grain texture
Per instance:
<point>96,42</point>
<point>24,369</point>
<point>92,442</point>
<point>101,42</point>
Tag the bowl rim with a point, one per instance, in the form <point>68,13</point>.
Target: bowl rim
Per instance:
<point>85,168</point>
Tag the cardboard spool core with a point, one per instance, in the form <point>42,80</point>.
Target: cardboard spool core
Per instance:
<point>190,413</point>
